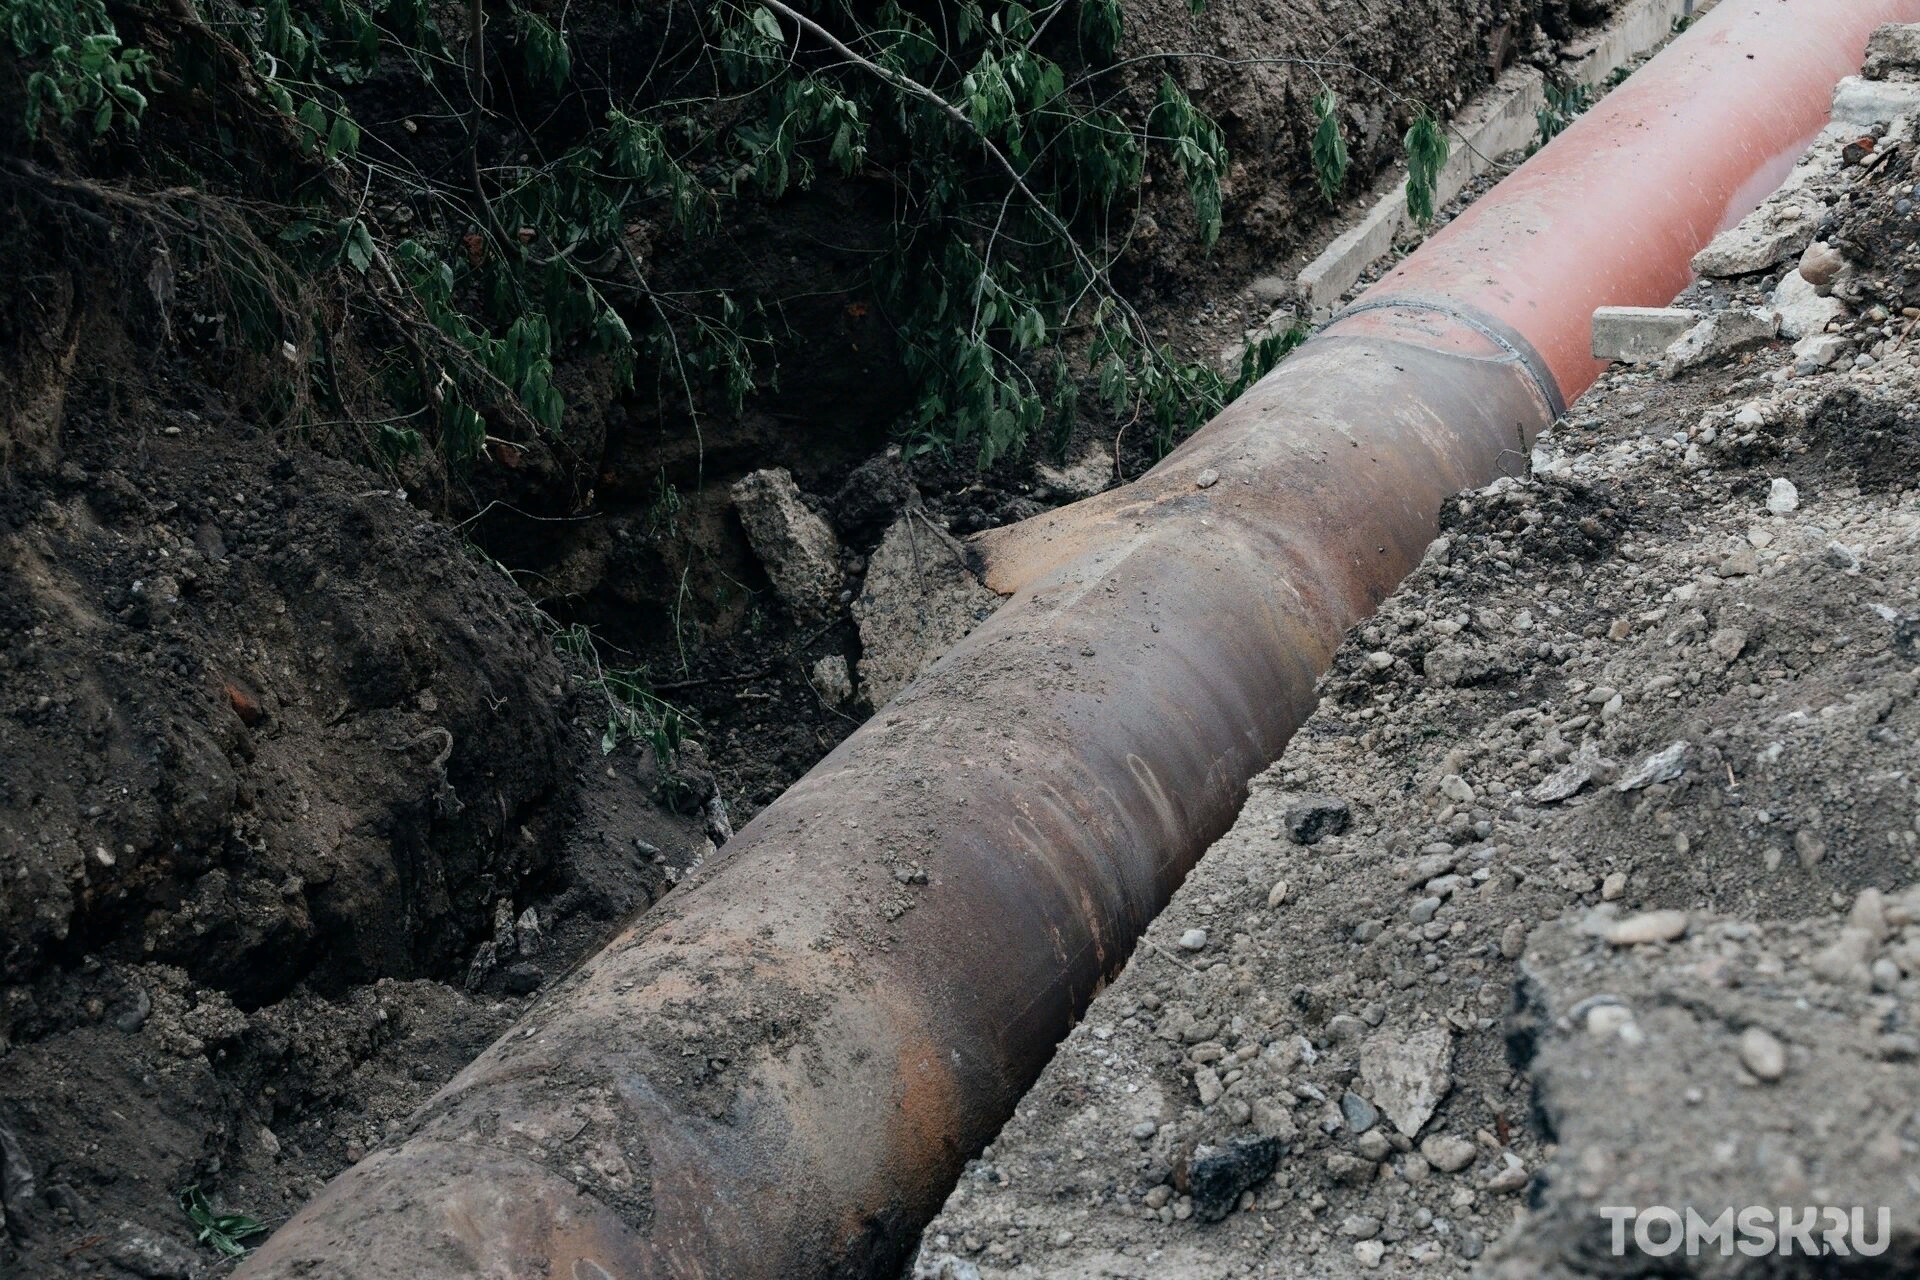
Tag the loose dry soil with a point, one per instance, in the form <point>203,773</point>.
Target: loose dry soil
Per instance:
<point>1591,882</point>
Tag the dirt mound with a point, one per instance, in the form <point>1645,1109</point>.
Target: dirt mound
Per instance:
<point>1663,687</point>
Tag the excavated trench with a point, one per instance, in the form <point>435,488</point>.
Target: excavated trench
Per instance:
<point>755,1080</point>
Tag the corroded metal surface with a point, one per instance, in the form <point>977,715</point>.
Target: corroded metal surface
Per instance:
<point>780,1071</point>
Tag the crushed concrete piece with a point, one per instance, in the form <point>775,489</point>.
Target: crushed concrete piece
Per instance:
<point>918,601</point>
<point>1820,351</point>
<point>1634,335</point>
<point>1662,766</point>
<point>1776,231</point>
<point>1801,309</point>
<point>1861,104</point>
<point>1408,1075</point>
<point>1893,52</point>
<point>798,549</point>
<point>1722,335</point>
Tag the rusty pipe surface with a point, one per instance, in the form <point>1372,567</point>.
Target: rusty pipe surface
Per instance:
<point>780,1070</point>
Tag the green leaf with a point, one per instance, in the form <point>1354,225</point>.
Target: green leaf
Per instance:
<point>359,246</point>
<point>1426,147</point>
<point>1328,150</point>
<point>767,24</point>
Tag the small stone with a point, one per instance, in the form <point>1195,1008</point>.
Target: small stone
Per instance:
<point>1614,887</point>
<point>1741,564</point>
<point>1360,1226</point>
<point>1277,894</point>
<point>1649,926</point>
<point>1217,1175</point>
<point>1144,1130</point>
<point>1309,819</point>
<point>1820,263</point>
<point>1206,1083</point>
<point>1727,642</point>
<point>1359,1114</point>
<point>1457,789</point>
<point>1206,479</point>
<point>832,680</point>
<point>1447,1153</point>
<point>1194,940</point>
<point>1374,1145</point>
<point>1512,1176</point>
<point>1885,974</point>
<point>1782,496</point>
<point>1369,1253</point>
<point>1762,1054</point>
<point>1513,939</point>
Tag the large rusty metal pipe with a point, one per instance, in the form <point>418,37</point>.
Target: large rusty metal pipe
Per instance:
<point>780,1070</point>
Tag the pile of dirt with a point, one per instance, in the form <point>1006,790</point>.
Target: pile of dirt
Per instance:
<point>1587,884</point>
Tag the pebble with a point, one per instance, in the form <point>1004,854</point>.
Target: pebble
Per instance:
<point>1447,1153</point>
<point>1360,1226</point>
<point>1782,496</point>
<point>1614,887</point>
<point>1277,894</point>
<point>1762,1054</point>
<point>1513,939</point>
<point>1359,1114</point>
<point>1206,479</point>
<point>1423,910</point>
<point>1649,926</point>
<point>1194,940</point>
<point>1368,1253</point>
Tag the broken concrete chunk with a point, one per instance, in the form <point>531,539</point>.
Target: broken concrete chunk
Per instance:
<point>1662,766</point>
<point>1722,335</point>
<point>1408,1075</point>
<point>1893,52</point>
<point>1772,233</point>
<point>1634,335</point>
<point>1861,104</point>
<point>918,601</point>
<point>799,551</point>
<point>1801,309</point>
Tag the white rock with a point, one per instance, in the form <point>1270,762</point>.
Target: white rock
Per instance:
<point>1649,926</point>
<point>1408,1076</point>
<point>1782,497</point>
<point>1762,1054</point>
<point>1802,311</point>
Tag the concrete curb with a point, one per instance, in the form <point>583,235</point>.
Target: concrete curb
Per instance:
<point>1497,122</point>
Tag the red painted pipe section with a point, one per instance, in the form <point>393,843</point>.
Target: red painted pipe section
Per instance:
<point>1610,212</point>
<point>780,1071</point>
